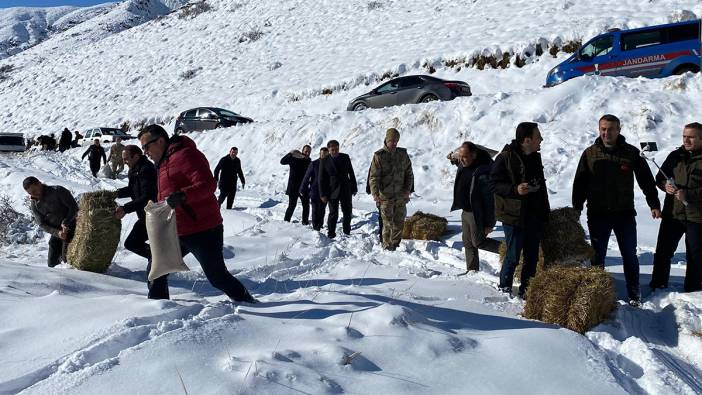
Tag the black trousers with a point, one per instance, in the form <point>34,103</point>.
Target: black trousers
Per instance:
<point>136,243</point>
<point>318,210</point>
<point>94,168</point>
<point>229,194</point>
<point>693,245</point>
<point>292,204</point>
<point>55,251</point>
<point>345,202</point>
<point>669,234</point>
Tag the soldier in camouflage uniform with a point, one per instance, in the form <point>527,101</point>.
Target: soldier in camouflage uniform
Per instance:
<point>116,161</point>
<point>391,181</point>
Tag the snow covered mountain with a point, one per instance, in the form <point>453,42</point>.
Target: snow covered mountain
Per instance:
<point>293,65</point>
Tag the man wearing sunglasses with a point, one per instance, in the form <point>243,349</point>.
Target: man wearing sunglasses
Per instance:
<point>186,183</point>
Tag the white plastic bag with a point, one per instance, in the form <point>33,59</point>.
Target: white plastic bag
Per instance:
<point>163,240</point>
<point>106,171</point>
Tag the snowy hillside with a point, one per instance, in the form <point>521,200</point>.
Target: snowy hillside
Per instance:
<point>293,66</point>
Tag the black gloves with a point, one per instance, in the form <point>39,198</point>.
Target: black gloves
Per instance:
<point>176,199</point>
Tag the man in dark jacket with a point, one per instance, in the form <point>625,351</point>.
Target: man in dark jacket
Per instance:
<point>141,189</point>
<point>521,203</point>
<point>186,183</point>
<point>309,189</point>
<point>687,206</point>
<point>671,230</point>
<point>76,139</point>
<point>605,179</point>
<point>472,195</point>
<point>337,185</point>
<point>54,209</point>
<point>94,153</point>
<point>65,140</point>
<point>298,162</point>
<point>226,173</point>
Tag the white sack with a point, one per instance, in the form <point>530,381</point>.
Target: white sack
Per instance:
<point>163,240</point>
<point>106,171</point>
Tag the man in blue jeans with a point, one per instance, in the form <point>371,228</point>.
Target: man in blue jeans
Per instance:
<point>521,203</point>
<point>605,179</point>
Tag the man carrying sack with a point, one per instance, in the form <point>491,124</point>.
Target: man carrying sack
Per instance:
<point>55,210</point>
<point>186,183</point>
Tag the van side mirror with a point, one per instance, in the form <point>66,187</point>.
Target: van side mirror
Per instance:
<point>585,57</point>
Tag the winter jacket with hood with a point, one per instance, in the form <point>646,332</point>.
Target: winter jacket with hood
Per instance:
<point>57,207</point>
<point>667,168</point>
<point>605,178</point>
<point>141,187</point>
<point>688,177</point>
<point>471,190</point>
<point>391,175</point>
<point>510,169</point>
<point>184,168</point>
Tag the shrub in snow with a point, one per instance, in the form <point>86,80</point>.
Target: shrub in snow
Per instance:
<point>188,74</point>
<point>194,9</point>
<point>16,227</point>
<point>5,71</point>
<point>681,16</point>
<point>374,5</point>
<point>251,36</point>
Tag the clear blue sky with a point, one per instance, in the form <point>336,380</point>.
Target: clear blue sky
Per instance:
<point>50,3</point>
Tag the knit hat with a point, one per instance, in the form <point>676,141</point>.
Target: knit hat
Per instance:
<point>392,134</point>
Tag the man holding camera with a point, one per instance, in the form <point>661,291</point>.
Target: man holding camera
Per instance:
<point>521,203</point>
<point>605,179</point>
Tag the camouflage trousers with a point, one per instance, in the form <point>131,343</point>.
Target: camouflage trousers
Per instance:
<point>117,167</point>
<point>393,213</point>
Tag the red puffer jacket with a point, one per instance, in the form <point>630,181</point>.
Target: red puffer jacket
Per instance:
<point>184,168</point>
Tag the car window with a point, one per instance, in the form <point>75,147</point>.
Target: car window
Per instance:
<point>226,113</point>
<point>597,47</point>
<point>387,87</point>
<point>410,82</point>
<point>205,113</point>
<point>190,114</point>
<point>642,39</point>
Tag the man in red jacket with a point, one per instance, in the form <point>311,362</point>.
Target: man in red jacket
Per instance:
<point>187,184</point>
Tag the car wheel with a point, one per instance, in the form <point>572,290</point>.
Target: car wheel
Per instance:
<point>429,99</point>
<point>218,126</point>
<point>360,106</point>
<point>685,68</point>
<point>179,131</point>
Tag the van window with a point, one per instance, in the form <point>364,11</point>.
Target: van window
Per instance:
<point>11,140</point>
<point>597,47</point>
<point>642,39</point>
<point>683,32</point>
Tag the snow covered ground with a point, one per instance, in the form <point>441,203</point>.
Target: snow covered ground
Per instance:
<point>418,326</point>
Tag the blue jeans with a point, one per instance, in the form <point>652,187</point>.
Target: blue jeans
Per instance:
<point>521,240</point>
<point>624,227</point>
<point>206,246</point>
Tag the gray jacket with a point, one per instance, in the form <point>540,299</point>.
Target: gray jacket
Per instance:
<point>57,207</point>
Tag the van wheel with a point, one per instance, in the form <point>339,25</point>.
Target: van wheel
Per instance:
<point>685,68</point>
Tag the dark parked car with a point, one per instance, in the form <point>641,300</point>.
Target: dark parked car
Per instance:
<point>408,90</point>
<point>205,118</point>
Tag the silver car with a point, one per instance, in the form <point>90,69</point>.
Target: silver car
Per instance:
<point>408,90</point>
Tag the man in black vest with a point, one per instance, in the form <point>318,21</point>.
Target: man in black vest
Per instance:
<point>298,162</point>
<point>521,203</point>
<point>337,184</point>
<point>141,189</point>
<point>94,153</point>
<point>605,179</point>
<point>226,173</point>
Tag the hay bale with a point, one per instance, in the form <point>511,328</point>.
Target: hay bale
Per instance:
<point>423,226</point>
<point>564,239</point>
<point>573,297</point>
<point>97,232</point>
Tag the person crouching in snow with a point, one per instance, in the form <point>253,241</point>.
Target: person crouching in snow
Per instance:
<point>141,189</point>
<point>188,186</point>
<point>55,210</point>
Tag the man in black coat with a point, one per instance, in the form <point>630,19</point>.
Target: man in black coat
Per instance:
<point>55,210</point>
<point>65,140</point>
<point>141,189</point>
<point>472,195</point>
<point>309,188</point>
<point>226,173</point>
<point>521,203</point>
<point>337,184</point>
<point>94,153</point>
<point>298,162</point>
<point>671,230</point>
